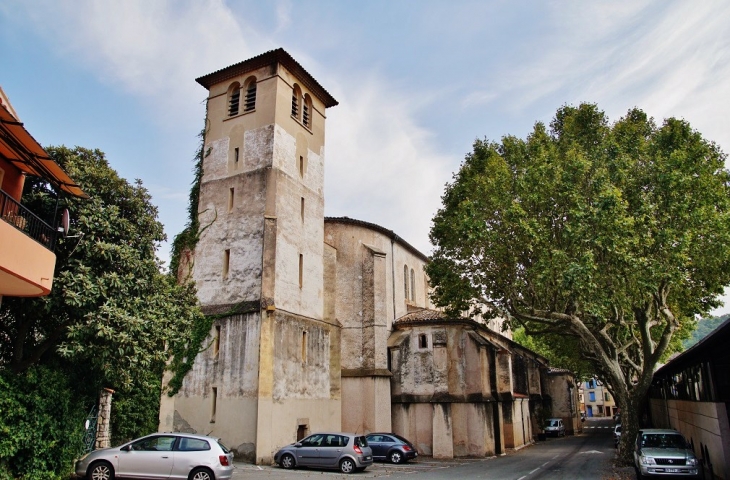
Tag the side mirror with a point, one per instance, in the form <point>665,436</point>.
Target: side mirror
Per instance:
<point>297,444</point>
<point>126,448</point>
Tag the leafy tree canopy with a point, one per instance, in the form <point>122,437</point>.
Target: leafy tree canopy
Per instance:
<point>110,307</point>
<point>616,235</point>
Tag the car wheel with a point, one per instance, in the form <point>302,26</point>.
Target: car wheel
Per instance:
<point>347,465</point>
<point>201,474</point>
<point>287,461</point>
<point>395,457</point>
<point>100,471</point>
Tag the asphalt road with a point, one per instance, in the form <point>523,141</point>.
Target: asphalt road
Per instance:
<point>585,456</point>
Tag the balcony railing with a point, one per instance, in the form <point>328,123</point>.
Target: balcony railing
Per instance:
<point>26,221</point>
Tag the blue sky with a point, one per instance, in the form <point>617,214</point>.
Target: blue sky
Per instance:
<point>417,80</point>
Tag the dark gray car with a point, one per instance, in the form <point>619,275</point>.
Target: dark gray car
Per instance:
<point>346,452</point>
<point>391,447</point>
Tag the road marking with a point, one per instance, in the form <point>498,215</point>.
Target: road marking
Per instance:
<point>591,451</point>
<point>544,464</point>
<point>538,468</point>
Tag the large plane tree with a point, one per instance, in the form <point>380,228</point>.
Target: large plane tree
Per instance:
<point>614,235</point>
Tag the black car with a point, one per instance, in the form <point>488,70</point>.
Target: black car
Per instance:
<point>391,447</point>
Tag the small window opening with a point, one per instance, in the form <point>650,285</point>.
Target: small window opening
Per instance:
<point>250,102</point>
<point>234,101</point>
<point>304,347</point>
<point>226,262</point>
<point>301,432</point>
<point>423,341</point>
<point>301,166</point>
<point>294,105</point>
<point>214,405</point>
<point>302,212</point>
<point>231,195</point>
<point>217,341</point>
<point>301,270</point>
<point>235,155</point>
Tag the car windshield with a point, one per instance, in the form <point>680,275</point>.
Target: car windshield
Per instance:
<point>663,440</point>
<point>618,428</point>
<point>552,423</point>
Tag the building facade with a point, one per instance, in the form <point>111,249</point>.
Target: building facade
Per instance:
<point>324,323</point>
<point>27,258</point>
<point>596,400</point>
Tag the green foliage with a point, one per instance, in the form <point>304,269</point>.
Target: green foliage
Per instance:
<point>41,425</point>
<point>704,327</point>
<point>558,349</point>
<point>617,235</point>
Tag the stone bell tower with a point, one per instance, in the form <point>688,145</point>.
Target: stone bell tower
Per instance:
<point>272,371</point>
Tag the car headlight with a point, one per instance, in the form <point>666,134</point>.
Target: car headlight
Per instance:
<point>647,460</point>
<point>692,461</point>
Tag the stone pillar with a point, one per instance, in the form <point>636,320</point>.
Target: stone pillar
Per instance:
<point>103,430</point>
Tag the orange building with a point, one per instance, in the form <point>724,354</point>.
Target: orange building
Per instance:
<point>27,259</point>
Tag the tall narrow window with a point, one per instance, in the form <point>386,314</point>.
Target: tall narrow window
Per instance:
<point>405,280</point>
<point>301,166</point>
<point>250,101</point>
<point>217,341</point>
<point>235,156</point>
<point>214,405</point>
<point>413,285</point>
<point>423,341</point>
<point>230,199</point>
<point>296,96</point>
<point>234,99</point>
<point>226,262</point>
<point>301,270</point>
<point>304,347</point>
<point>302,209</point>
<point>307,111</point>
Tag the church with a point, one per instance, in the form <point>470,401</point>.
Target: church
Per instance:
<point>325,324</point>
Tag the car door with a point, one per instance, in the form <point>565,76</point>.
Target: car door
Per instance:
<point>308,453</point>
<point>190,452</point>
<point>149,457</point>
<point>376,444</point>
<point>331,449</point>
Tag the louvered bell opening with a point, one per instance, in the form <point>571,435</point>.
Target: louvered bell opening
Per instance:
<point>233,104</point>
<point>305,115</point>
<point>250,98</point>
<point>294,106</point>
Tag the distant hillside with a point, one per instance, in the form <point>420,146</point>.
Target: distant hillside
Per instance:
<point>704,328</point>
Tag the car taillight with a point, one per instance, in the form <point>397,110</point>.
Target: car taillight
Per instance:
<point>357,450</point>
<point>406,448</point>
<point>224,460</point>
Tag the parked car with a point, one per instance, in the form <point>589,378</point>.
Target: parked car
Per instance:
<point>160,455</point>
<point>664,452</point>
<point>554,426</point>
<point>344,451</point>
<point>616,434</point>
<point>391,447</point>
<point>582,416</point>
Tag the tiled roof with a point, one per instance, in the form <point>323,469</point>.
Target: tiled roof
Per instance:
<point>273,56</point>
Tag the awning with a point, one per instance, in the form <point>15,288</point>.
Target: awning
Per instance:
<point>23,151</point>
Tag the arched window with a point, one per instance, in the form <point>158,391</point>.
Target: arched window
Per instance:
<point>405,280</point>
<point>413,285</point>
<point>307,111</point>
<point>234,98</point>
<point>249,103</point>
<point>296,100</point>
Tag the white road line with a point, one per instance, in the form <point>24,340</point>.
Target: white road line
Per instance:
<point>538,468</point>
<point>544,464</point>
<point>522,477</point>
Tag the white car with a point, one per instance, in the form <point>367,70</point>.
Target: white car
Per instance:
<point>617,434</point>
<point>554,426</point>
<point>160,456</point>
<point>662,452</point>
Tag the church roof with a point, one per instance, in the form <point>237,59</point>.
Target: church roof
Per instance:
<point>269,58</point>
<point>388,233</point>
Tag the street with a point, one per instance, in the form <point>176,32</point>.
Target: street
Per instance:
<point>585,456</point>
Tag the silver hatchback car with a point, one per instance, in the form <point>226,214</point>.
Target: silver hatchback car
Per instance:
<point>344,451</point>
<point>160,456</point>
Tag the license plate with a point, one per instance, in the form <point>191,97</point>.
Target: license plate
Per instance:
<point>368,458</point>
<point>673,470</point>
